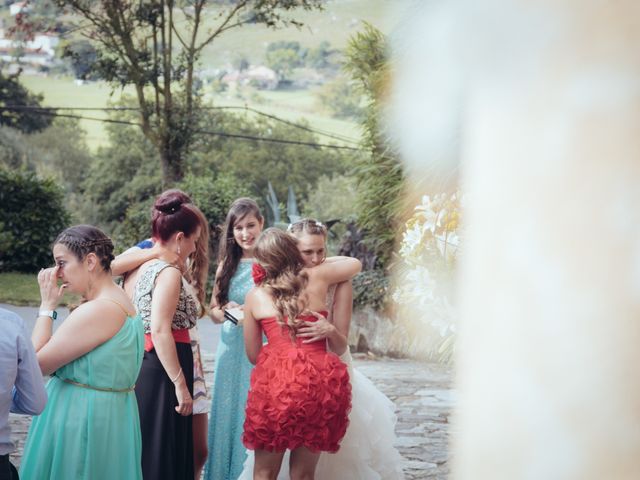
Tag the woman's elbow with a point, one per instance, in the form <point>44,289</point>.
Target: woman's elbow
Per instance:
<point>46,368</point>
<point>357,266</point>
<point>252,354</point>
<point>159,333</point>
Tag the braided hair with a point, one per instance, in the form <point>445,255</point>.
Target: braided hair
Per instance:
<point>82,240</point>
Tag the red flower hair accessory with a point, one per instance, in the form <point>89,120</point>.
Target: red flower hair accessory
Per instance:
<point>258,273</point>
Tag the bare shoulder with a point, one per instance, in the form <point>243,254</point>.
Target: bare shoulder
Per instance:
<point>256,295</point>
<point>120,297</point>
<point>88,311</point>
<point>259,302</point>
<point>313,272</point>
<point>170,274</point>
<point>100,313</point>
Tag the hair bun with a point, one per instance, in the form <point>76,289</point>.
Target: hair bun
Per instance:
<point>170,201</point>
<point>168,205</point>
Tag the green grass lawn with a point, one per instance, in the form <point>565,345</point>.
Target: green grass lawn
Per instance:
<point>19,289</point>
<point>22,289</point>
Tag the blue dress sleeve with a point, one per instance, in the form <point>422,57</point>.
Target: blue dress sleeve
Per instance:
<point>148,243</point>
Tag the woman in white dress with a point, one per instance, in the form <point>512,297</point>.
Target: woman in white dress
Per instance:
<point>367,451</point>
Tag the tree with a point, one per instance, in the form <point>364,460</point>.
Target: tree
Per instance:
<point>123,174</point>
<point>256,163</point>
<point>124,177</point>
<point>82,55</point>
<point>17,104</point>
<point>155,45</point>
<point>379,174</point>
<point>320,56</point>
<point>283,61</point>
<point>32,215</point>
<point>334,197</point>
<point>282,57</point>
<point>61,152</point>
<point>341,98</point>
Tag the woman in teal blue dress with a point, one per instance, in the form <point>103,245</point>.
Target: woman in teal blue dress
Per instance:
<point>90,428</point>
<point>232,369</point>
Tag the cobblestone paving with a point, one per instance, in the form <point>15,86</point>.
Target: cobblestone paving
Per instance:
<point>424,399</point>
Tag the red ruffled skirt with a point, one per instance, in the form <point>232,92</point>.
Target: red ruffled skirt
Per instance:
<point>300,395</point>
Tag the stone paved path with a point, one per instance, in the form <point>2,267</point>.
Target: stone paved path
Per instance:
<point>422,393</point>
<point>424,399</point>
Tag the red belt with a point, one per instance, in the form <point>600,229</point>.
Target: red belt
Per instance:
<point>180,336</point>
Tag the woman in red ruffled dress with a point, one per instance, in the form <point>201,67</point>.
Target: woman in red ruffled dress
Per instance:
<point>300,394</point>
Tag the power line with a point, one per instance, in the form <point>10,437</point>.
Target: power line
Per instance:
<point>49,111</point>
<point>288,122</point>
<point>52,113</point>
<point>31,107</point>
<point>221,107</point>
<point>278,140</point>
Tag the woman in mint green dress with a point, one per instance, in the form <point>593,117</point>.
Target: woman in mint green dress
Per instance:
<point>90,428</point>
<point>232,369</point>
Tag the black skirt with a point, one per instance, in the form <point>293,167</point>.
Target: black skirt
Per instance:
<point>167,438</point>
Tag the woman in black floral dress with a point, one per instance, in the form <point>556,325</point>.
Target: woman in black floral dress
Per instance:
<point>168,309</point>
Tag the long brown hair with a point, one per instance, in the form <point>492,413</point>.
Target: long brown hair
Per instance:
<point>229,252</point>
<point>198,266</point>
<point>277,252</point>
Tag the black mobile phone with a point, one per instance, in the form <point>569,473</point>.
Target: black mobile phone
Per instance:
<point>230,317</point>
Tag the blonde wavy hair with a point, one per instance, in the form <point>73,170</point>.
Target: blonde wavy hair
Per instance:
<point>277,252</point>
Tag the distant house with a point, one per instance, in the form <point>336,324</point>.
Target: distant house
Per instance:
<point>39,52</point>
<point>262,77</point>
<point>259,76</point>
<point>18,7</point>
<point>45,43</point>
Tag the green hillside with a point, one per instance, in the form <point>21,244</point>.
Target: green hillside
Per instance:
<point>336,23</point>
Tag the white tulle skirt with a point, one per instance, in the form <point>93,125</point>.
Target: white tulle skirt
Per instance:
<point>366,451</point>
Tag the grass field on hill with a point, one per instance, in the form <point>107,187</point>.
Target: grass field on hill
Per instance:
<point>289,105</point>
<point>339,20</point>
<point>64,92</point>
<point>335,23</point>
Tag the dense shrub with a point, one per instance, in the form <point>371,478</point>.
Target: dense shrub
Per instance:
<point>212,194</point>
<point>31,216</point>
<point>371,288</point>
